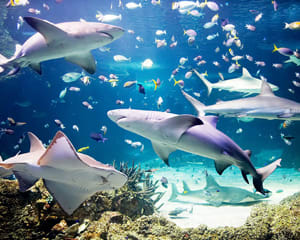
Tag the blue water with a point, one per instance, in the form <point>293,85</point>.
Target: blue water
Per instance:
<point>257,135</point>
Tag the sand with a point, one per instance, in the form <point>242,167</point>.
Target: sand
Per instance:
<point>283,183</point>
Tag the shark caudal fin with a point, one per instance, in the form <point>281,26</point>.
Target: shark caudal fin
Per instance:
<point>199,107</point>
<point>208,84</point>
<point>174,193</point>
<point>263,173</point>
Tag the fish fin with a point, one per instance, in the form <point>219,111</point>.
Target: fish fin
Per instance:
<point>263,173</point>
<point>208,84</point>
<point>212,120</point>
<point>84,60</point>
<point>185,187</point>
<point>69,197</point>
<point>174,193</point>
<point>171,129</point>
<point>49,31</point>
<point>246,74</point>
<point>266,90</point>
<point>248,152</point>
<point>211,182</point>
<point>18,49</point>
<point>163,151</point>
<point>36,67</point>
<point>61,154</point>
<point>25,181</point>
<point>244,174</point>
<point>35,143</point>
<point>275,48</point>
<point>221,165</point>
<point>199,107</point>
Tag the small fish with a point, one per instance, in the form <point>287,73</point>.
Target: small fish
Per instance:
<point>129,84</point>
<point>85,80</point>
<point>151,170</point>
<point>173,44</point>
<point>46,6</point>
<point>159,102</point>
<point>250,27</point>
<point>160,43</point>
<point>275,5</point>
<point>183,60</point>
<point>221,76</point>
<point>164,182</point>
<point>98,137</point>
<point>260,63</point>
<point>104,129</point>
<point>209,25</point>
<point>277,65</point>
<point>147,63</point>
<point>249,58</point>
<point>177,211</point>
<point>108,18</point>
<point>141,89</point>
<point>190,33</point>
<point>292,26</point>
<point>240,130</point>
<point>132,5</point>
<point>160,32</point>
<point>120,102</point>
<point>34,11</point>
<point>188,74</point>
<point>283,51</point>
<point>156,83</point>
<point>62,94</point>
<point>179,82</point>
<point>258,17</point>
<point>121,58</point>
<point>104,49</point>
<point>59,123</point>
<point>87,105</point>
<point>76,128</point>
<point>213,36</point>
<point>228,27</point>
<point>74,89</point>
<point>83,149</point>
<point>296,84</point>
<point>155,2</point>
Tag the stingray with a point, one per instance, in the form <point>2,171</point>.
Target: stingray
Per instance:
<point>69,176</point>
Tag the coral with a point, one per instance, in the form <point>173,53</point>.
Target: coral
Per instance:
<point>34,215</point>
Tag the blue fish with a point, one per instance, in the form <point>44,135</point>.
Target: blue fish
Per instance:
<point>98,137</point>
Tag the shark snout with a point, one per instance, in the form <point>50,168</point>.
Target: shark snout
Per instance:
<point>115,31</point>
<point>114,115</point>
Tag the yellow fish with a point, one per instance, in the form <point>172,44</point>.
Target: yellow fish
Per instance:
<point>155,84</point>
<point>185,192</point>
<point>83,149</point>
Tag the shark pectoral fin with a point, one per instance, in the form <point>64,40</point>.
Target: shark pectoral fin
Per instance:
<point>244,174</point>
<point>61,154</point>
<point>49,31</point>
<point>171,129</point>
<point>69,197</point>
<point>26,181</point>
<point>163,151</point>
<point>36,67</point>
<point>84,60</point>
<point>35,143</point>
<point>221,165</point>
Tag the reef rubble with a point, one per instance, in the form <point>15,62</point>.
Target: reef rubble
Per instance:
<point>35,215</point>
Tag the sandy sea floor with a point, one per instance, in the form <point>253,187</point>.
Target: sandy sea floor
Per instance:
<point>283,183</point>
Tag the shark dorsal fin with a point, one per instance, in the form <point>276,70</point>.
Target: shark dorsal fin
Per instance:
<point>212,120</point>
<point>211,182</point>
<point>171,129</point>
<point>266,90</point>
<point>61,153</point>
<point>186,188</point>
<point>47,29</point>
<point>196,104</point>
<point>35,143</point>
<point>246,74</point>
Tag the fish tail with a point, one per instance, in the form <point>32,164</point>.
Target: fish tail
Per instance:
<point>275,48</point>
<point>155,84</point>
<point>175,82</point>
<point>174,193</point>
<point>263,173</point>
<point>286,25</point>
<point>208,84</point>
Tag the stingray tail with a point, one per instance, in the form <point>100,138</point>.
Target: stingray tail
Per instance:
<point>174,193</point>
<point>263,173</point>
<point>205,81</point>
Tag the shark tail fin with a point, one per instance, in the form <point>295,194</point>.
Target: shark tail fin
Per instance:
<point>199,107</point>
<point>263,173</point>
<point>174,193</point>
<point>205,81</point>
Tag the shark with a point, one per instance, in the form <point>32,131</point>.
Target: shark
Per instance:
<point>70,40</point>
<point>266,105</point>
<point>293,59</point>
<point>70,177</point>
<point>215,194</point>
<point>245,84</point>
<point>169,132</point>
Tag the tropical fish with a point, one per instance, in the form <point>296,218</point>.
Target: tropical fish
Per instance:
<point>83,149</point>
<point>71,77</point>
<point>98,137</point>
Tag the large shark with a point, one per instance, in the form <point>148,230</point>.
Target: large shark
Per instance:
<point>245,83</point>
<point>71,40</point>
<point>169,132</point>
<point>214,194</point>
<point>265,105</point>
<point>69,176</point>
